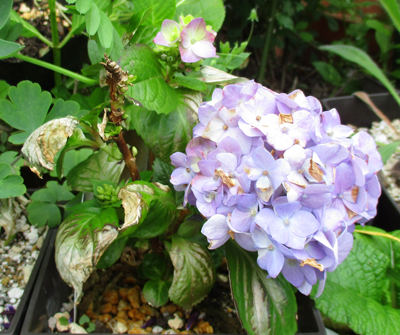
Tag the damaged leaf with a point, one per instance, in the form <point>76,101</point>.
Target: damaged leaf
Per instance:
<point>81,240</point>
<point>149,209</point>
<point>42,145</point>
<point>194,273</point>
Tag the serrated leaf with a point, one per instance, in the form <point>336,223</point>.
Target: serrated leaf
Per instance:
<point>359,57</point>
<point>146,175</point>
<point>190,82</point>
<point>95,167</point>
<point>9,49</point>
<point>138,18</point>
<point>166,134</point>
<point>92,19</point>
<point>43,144</point>
<point>44,213</point>
<point>265,305</point>
<point>5,7</point>
<point>163,9</point>
<point>83,5</point>
<point>81,240</point>
<point>63,109</point>
<point>156,292</point>
<point>162,174</point>
<point>149,89</point>
<point>27,109</point>
<point>10,184</point>
<point>194,273</point>
<point>211,75</point>
<point>105,30</point>
<point>212,11</point>
<point>363,315</point>
<point>112,254</point>
<point>363,271</point>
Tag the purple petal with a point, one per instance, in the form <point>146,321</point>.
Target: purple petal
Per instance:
<point>271,260</point>
<point>303,223</point>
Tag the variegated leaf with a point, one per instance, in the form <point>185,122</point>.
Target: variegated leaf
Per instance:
<point>95,167</point>
<point>81,240</point>
<point>194,273</point>
<point>43,144</point>
<point>265,305</point>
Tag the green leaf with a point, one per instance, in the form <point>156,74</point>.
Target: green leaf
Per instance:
<point>9,49</point>
<point>83,5</point>
<point>166,134</point>
<point>264,305</point>
<point>153,266</point>
<point>93,51</point>
<point>95,167</point>
<point>189,228</point>
<point>162,171</point>
<point>156,292</point>
<point>212,11</point>
<point>105,30</point>
<point>3,89</point>
<point>146,175</point>
<point>73,158</point>
<point>112,254</point>
<point>328,72</point>
<point>63,321</point>
<point>5,8</point>
<point>9,157</point>
<point>194,273</point>
<point>388,150</point>
<point>43,144</point>
<point>190,82</point>
<point>162,9</point>
<point>92,19</point>
<point>42,213</point>
<point>29,30</point>
<point>81,240</point>
<point>359,57</point>
<point>363,271</point>
<point>144,35</point>
<point>363,315</point>
<point>62,109</point>
<point>392,8</point>
<point>10,184</point>
<point>27,109</point>
<point>84,319</point>
<point>138,18</point>
<point>43,209</point>
<point>77,140</point>
<point>149,89</point>
<point>161,214</point>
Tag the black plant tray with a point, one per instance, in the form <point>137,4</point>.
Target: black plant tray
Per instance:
<point>51,292</point>
<point>18,318</point>
<point>354,111</point>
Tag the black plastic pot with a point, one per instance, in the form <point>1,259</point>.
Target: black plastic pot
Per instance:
<point>18,318</point>
<point>354,111</point>
<point>51,292</point>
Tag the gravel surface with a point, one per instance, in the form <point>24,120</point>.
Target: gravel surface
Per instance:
<point>17,261</point>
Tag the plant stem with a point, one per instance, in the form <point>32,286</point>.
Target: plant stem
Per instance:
<point>267,43</point>
<point>55,39</point>
<point>66,39</point>
<point>58,69</point>
<point>394,238</point>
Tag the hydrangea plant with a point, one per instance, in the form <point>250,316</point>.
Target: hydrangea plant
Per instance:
<point>281,177</point>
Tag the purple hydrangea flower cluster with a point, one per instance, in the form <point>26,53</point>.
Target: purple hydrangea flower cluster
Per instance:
<point>282,177</point>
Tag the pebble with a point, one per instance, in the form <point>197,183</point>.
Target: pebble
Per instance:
<point>76,329</point>
<point>176,323</point>
<point>16,263</point>
<point>15,293</point>
<point>157,330</point>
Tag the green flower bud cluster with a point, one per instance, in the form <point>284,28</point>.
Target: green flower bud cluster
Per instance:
<point>107,194</point>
